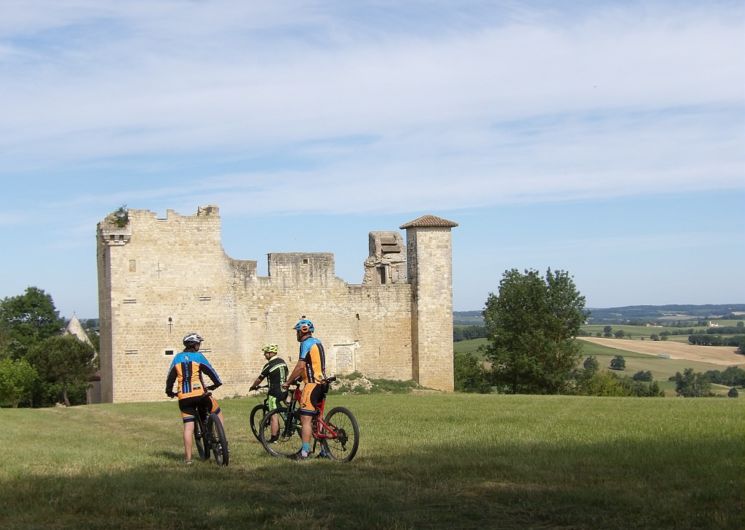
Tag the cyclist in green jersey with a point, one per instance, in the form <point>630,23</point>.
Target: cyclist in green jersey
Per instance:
<point>275,371</point>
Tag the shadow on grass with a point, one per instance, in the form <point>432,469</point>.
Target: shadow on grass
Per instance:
<point>609,485</point>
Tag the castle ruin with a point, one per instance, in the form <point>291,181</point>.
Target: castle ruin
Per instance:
<point>159,278</point>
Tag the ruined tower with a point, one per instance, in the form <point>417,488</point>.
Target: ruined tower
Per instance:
<point>430,272</point>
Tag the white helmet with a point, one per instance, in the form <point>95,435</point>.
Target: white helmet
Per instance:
<point>193,338</point>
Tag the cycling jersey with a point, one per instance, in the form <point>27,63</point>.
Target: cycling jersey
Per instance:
<point>312,352</point>
<point>275,371</point>
<point>189,369</point>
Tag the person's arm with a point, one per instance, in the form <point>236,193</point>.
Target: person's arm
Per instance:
<point>216,382</point>
<point>295,374</point>
<point>169,382</point>
<point>256,383</point>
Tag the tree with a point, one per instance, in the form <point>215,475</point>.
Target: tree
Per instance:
<point>619,334</point>
<point>27,319</point>
<point>733,393</point>
<point>65,365</point>
<point>618,363</point>
<point>531,326</point>
<point>608,331</point>
<point>691,384</point>
<point>17,380</point>
<point>591,365</point>
<point>470,375</point>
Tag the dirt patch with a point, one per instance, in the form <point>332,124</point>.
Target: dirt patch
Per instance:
<point>722,355</point>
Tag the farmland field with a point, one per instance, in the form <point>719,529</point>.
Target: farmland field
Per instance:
<point>425,461</point>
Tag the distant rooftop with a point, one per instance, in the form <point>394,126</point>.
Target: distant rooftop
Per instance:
<point>429,221</point>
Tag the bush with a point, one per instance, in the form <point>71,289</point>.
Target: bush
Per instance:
<point>733,393</point>
<point>470,375</point>
<point>618,363</point>
<point>643,376</point>
<point>17,380</point>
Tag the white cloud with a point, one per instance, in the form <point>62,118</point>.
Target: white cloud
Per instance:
<point>530,105</point>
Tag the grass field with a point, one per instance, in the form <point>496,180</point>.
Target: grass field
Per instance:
<point>425,461</point>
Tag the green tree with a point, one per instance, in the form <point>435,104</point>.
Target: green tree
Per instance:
<point>618,363</point>
<point>65,365</point>
<point>619,334</point>
<point>733,393</point>
<point>643,375</point>
<point>470,375</point>
<point>17,380</point>
<point>27,319</point>
<point>691,384</point>
<point>591,364</point>
<point>531,326</point>
<point>608,331</point>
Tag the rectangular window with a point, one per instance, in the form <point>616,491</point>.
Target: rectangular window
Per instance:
<point>169,352</point>
<point>205,298</point>
<point>129,301</point>
<point>131,352</point>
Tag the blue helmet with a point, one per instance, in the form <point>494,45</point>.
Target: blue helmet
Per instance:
<point>304,325</point>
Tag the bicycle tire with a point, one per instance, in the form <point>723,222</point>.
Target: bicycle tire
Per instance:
<point>258,413</point>
<point>289,440</point>
<point>344,447</point>
<point>218,440</point>
<point>203,447</point>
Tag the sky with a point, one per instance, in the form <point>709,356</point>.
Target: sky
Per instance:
<point>602,138</point>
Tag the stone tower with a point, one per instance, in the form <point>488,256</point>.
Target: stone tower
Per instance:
<point>430,272</point>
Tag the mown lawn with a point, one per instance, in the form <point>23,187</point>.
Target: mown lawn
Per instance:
<point>425,461</point>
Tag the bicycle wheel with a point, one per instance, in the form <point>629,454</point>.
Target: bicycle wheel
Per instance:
<point>346,435</point>
<point>203,447</point>
<point>256,417</point>
<point>288,439</point>
<point>218,440</point>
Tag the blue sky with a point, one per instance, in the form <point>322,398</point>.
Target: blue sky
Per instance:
<point>602,138</point>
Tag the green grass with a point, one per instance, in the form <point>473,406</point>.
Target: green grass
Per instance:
<point>425,461</point>
<point>469,346</point>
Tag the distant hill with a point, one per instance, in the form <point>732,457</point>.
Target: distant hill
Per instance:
<point>635,313</point>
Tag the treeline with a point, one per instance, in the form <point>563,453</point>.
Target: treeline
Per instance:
<point>717,340</point>
<point>39,365</point>
<point>696,384</point>
<point>468,332</point>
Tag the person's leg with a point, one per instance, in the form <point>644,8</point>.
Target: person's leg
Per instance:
<point>188,435</point>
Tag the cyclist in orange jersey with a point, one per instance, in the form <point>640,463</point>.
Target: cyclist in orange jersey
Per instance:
<point>189,368</point>
<point>311,366</point>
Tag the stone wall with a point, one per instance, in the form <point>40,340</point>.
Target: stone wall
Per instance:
<point>161,278</point>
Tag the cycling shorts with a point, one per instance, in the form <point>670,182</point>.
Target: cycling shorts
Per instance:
<point>275,400</point>
<point>190,405</point>
<point>313,395</point>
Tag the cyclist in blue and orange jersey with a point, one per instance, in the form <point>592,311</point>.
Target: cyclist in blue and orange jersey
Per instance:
<point>188,370</point>
<point>311,366</point>
<point>275,371</point>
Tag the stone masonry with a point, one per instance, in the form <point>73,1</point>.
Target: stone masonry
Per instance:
<point>160,278</point>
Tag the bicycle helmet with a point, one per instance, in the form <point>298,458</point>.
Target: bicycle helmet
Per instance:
<point>304,325</point>
<point>193,338</point>
<point>270,348</point>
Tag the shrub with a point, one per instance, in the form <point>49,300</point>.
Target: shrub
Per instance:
<point>618,363</point>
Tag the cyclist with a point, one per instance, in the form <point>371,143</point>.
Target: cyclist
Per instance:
<point>311,366</point>
<point>275,370</point>
<point>189,368</point>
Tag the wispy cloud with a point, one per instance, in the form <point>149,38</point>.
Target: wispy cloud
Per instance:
<point>532,105</point>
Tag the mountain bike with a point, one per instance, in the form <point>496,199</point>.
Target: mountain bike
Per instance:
<point>338,433</point>
<point>257,414</point>
<point>209,436</point>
